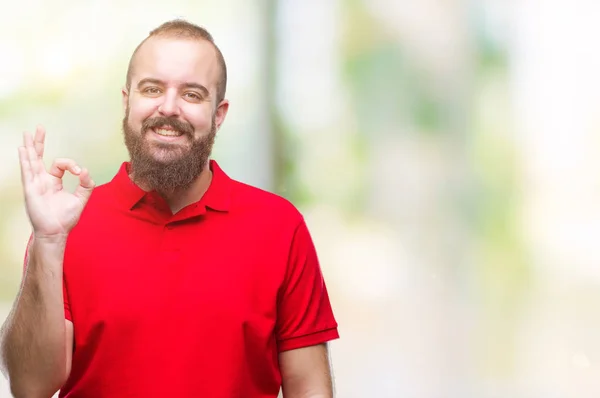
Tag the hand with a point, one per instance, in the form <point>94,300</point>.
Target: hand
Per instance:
<point>52,211</point>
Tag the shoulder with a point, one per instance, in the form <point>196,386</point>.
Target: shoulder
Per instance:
<point>249,198</point>
<point>100,209</point>
<point>103,194</point>
<point>103,190</point>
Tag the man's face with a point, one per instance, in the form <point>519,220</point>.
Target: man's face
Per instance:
<point>171,117</point>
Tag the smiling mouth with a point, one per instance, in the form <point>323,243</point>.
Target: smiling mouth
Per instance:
<point>167,132</point>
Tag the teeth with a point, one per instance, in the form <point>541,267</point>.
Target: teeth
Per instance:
<point>168,133</point>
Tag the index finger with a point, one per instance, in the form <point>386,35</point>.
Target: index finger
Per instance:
<point>40,137</point>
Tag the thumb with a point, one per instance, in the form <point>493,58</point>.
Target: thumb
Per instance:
<point>85,187</point>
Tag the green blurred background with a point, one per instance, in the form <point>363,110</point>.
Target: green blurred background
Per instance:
<point>442,151</point>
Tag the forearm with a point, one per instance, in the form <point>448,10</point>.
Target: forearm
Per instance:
<point>33,338</point>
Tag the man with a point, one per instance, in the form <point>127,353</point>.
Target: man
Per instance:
<point>171,280</point>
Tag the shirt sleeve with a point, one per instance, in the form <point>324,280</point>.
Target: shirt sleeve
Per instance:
<point>67,306</point>
<point>304,314</point>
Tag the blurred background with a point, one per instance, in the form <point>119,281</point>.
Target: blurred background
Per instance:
<point>442,151</point>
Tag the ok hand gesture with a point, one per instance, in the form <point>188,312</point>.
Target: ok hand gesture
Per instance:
<point>52,210</point>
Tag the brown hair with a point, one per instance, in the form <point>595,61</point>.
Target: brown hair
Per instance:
<point>179,28</point>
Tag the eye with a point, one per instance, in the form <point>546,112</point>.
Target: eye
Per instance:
<point>151,90</point>
<point>193,96</point>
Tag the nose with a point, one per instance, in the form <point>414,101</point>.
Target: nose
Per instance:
<point>169,106</point>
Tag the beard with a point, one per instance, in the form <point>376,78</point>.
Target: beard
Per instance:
<point>163,166</point>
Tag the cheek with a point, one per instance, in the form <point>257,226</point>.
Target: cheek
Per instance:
<point>141,110</point>
<point>199,117</point>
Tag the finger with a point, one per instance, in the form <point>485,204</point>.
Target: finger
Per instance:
<point>26,173</point>
<point>40,138</point>
<point>85,187</point>
<point>60,165</point>
<point>36,164</point>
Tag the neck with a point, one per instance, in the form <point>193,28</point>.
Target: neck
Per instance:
<point>181,197</point>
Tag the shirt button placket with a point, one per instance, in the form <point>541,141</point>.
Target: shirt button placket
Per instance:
<point>170,248</point>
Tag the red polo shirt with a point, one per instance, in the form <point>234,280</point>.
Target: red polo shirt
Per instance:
<point>196,304</point>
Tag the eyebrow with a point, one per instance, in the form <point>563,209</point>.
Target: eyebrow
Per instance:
<point>197,86</point>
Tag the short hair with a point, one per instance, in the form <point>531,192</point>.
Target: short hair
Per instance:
<point>180,28</point>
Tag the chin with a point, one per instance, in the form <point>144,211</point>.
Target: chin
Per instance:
<point>167,149</point>
<point>165,158</point>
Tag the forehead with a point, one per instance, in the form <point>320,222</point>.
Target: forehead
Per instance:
<point>176,61</point>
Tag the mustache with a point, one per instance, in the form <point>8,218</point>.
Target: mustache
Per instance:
<point>176,124</point>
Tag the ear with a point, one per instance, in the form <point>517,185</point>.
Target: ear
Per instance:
<point>125,94</point>
<point>221,112</point>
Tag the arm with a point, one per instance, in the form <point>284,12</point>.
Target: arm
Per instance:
<point>305,323</point>
<point>306,372</point>
<point>36,341</point>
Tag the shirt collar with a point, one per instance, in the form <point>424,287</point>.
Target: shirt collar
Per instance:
<point>128,192</point>
<point>217,197</point>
